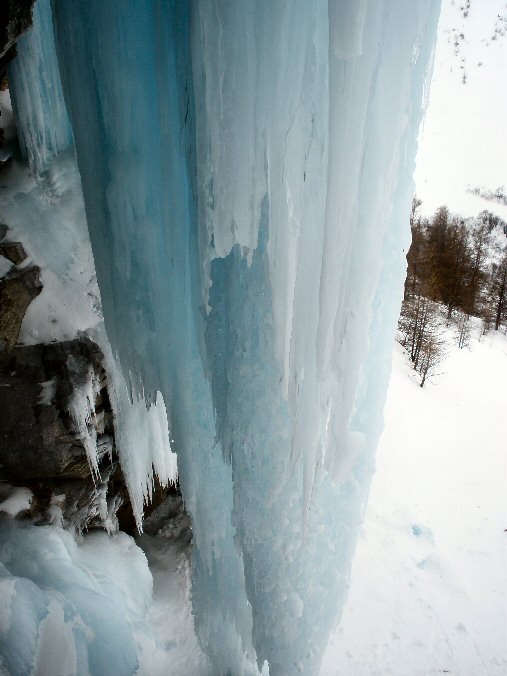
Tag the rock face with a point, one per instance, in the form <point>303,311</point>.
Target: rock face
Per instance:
<point>56,422</point>
<point>17,290</point>
<point>39,438</point>
<point>55,412</point>
<point>15,19</point>
<point>18,287</point>
<point>13,251</point>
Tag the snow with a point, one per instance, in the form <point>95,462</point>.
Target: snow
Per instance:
<point>459,146</point>
<point>48,388</point>
<point>13,501</point>
<point>428,590</point>
<point>47,216</point>
<point>170,614</point>
<point>5,266</point>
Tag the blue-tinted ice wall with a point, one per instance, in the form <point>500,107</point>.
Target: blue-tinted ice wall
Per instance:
<point>246,171</point>
<point>135,147</point>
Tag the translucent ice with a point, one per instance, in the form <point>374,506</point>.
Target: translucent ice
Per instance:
<point>246,172</point>
<point>71,607</point>
<point>41,115</point>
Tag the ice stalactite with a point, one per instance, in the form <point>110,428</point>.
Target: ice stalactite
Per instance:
<point>40,111</point>
<point>46,141</point>
<point>246,171</point>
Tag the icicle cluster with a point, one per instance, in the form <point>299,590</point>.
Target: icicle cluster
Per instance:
<point>246,170</point>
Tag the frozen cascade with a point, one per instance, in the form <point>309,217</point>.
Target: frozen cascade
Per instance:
<point>41,117</point>
<point>246,173</point>
<point>44,133</point>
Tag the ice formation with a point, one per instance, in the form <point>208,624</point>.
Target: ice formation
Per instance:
<point>246,172</point>
<point>69,609</point>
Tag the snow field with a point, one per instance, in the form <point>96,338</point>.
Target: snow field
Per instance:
<point>428,592</point>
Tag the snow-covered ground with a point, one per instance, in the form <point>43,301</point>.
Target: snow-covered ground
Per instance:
<point>429,590</point>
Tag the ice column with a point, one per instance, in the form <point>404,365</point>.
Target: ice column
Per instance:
<point>306,120</point>
<point>128,84</point>
<point>246,171</point>
<point>36,92</point>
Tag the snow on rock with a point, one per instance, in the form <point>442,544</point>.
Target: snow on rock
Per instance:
<point>47,216</point>
<point>13,501</point>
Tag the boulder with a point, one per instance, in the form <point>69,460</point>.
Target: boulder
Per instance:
<point>17,290</point>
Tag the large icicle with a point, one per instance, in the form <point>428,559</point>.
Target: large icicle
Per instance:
<point>300,150</point>
<point>135,150</point>
<point>36,93</point>
<point>246,175</point>
<point>52,210</point>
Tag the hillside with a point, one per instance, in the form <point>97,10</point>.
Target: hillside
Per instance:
<point>428,592</point>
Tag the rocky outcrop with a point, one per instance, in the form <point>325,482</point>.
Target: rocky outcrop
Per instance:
<point>57,436</point>
<point>18,287</point>
<point>15,19</point>
<point>39,437</point>
<point>56,422</point>
<point>12,251</point>
<point>17,290</point>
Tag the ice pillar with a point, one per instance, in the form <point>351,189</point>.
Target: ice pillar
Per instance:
<point>246,171</point>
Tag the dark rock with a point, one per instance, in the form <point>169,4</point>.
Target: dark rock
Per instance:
<point>43,444</point>
<point>15,19</point>
<point>17,290</point>
<point>3,231</point>
<point>13,251</point>
<point>126,520</point>
<point>169,519</point>
<point>38,437</point>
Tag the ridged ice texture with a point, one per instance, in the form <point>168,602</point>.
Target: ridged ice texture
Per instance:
<point>36,93</point>
<point>321,134</point>
<point>246,172</point>
<point>140,204</point>
<point>71,606</point>
<point>53,211</point>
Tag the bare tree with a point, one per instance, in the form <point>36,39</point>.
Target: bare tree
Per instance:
<point>499,291</point>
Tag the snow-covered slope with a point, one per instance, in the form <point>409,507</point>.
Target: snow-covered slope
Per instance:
<point>428,592</point>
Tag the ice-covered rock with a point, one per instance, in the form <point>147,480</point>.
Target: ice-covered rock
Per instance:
<point>58,434</point>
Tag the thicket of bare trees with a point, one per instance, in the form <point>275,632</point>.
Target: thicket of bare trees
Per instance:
<point>456,269</point>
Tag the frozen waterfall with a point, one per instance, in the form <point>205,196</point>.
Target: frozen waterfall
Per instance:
<point>246,169</point>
